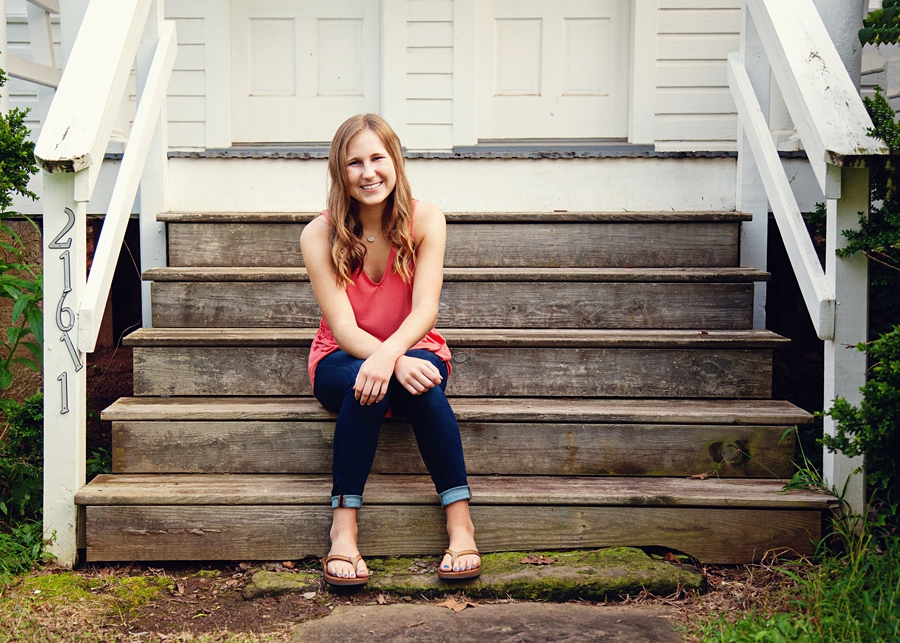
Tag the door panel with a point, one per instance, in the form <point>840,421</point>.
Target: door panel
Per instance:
<point>553,69</point>
<point>300,68</point>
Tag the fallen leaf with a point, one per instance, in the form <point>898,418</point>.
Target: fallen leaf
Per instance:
<point>288,564</point>
<point>381,599</point>
<point>700,476</point>
<point>309,595</point>
<point>244,566</point>
<point>531,559</point>
<point>455,605</point>
<point>179,587</point>
<point>416,624</point>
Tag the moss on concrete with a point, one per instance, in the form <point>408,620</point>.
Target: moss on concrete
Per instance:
<point>265,583</point>
<point>588,574</point>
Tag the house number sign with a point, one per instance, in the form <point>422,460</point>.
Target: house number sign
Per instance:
<point>65,316</point>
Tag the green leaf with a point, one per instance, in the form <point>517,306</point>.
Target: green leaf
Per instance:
<point>6,377</point>
<point>35,349</point>
<point>29,363</point>
<point>19,307</point>
<point>36,323</point>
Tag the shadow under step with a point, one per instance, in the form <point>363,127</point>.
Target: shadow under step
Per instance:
<point>486,362</point>
<point>229,517</point>
<point>521,437</point>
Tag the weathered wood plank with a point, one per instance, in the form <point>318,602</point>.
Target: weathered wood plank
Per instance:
<point>556,244</point>
<point>721,536</point>
<point>472,409</point>
<point>526,338</point>
<point>539,274</point>
<point>475,304</point>
<point>490,448</point>
<point>248,489</point>
<point>549,372</point>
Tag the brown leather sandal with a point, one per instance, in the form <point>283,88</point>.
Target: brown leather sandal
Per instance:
<point>461,574</point>
<point>331,579</point>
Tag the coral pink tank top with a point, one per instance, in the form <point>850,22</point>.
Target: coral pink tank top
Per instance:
<point>380,308</point>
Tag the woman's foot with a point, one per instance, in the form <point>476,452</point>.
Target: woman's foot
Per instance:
<point>343,544</point>
<point>462,538</point>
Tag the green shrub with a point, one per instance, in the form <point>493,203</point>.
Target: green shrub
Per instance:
<point>21,460</point>
<point>872,429</point>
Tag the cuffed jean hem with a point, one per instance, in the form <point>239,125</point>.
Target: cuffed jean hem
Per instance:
<point>455,495</point>
<point>348,501</point>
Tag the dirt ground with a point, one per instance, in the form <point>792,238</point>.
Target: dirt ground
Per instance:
<point>169,603</point>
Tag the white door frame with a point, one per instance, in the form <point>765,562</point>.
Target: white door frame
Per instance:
<point>642,91</point>
<point>218,68</point>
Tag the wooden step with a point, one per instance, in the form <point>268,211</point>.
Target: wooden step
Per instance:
<point>209,517</point>
<point>494,448</point>
<point>586,239</point>
<point>607,437</point>
<point>473,409</point>
<point>719,298</point>
<point>503,363</point>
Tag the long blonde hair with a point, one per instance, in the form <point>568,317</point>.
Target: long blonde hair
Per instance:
<point>348,253</point>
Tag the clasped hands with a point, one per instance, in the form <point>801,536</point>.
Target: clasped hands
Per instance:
<point>414,374</point>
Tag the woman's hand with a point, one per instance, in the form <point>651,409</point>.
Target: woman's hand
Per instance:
<point>416,375</point>
<point>373,378</point>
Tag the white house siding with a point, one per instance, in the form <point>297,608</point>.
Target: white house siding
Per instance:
<point>694,108</point>
<point>21,93</point>
<point>186,105</point>
<point>429,74</point>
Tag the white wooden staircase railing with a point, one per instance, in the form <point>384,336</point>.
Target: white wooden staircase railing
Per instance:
<point>787,40</point>
<point>114,36</point>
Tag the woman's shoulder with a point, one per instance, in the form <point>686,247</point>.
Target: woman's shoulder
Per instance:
<point>427,213</point>
<point>317,228</point>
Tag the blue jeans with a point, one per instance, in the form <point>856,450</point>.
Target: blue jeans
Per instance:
<point>357,428</point>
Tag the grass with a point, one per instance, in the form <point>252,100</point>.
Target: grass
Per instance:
<point>851,595</point>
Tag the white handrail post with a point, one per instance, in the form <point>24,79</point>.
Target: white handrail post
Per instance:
<point>154,183</point>
<point>4,60</point>
<point>65,384</point>
<point>845,367</point>
<point>751,193</point>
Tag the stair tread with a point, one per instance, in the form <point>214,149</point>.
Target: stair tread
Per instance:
<point>472,337</point>
<point>659,275</point>
<point>468,217</point>
<point>655,411</point>
<point>280,489</point>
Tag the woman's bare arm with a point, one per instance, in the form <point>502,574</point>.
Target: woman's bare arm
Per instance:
<point>382,359</point>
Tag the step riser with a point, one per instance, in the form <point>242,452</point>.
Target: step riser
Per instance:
<point>490,448</point>
<point>477,372</point>
<point>714,306</point>
<point>588,245</point>
<point>270,532</point>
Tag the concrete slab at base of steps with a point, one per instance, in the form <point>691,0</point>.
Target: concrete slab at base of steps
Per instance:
<point>599,574</point>
<point>534,623</point>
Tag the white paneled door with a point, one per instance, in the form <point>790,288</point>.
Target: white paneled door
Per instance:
<point>553,69</point>
<point>299,69</point>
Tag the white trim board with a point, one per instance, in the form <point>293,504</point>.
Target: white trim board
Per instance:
<point>609,184</point>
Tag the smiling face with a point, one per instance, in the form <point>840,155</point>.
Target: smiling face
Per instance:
<point>371,175</point>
